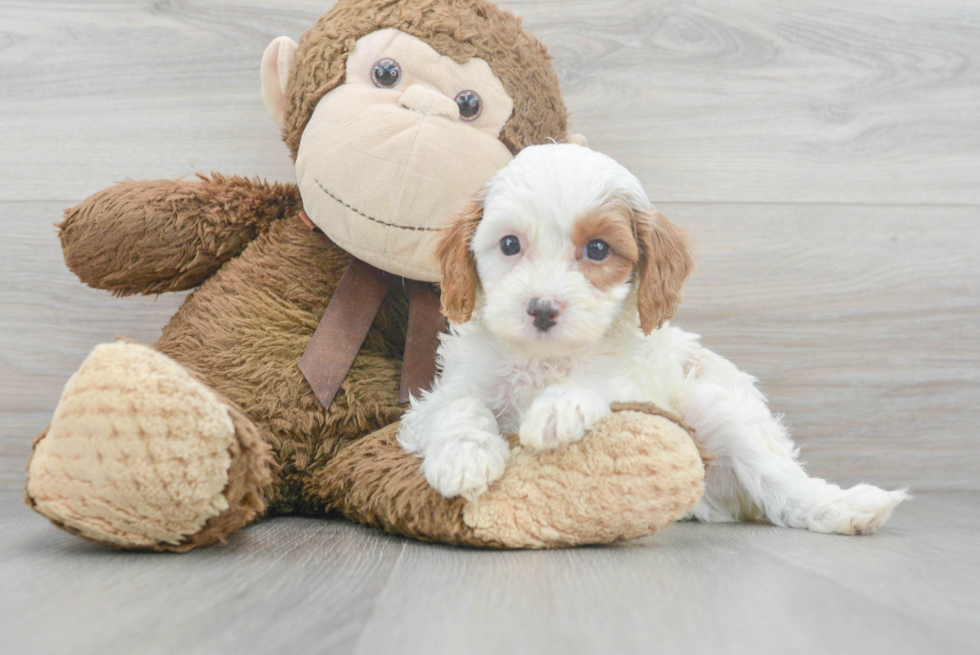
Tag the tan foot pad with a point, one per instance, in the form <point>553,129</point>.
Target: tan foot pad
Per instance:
<point>634,474</point>
<point>137,454</point>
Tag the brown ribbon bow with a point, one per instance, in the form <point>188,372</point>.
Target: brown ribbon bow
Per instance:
<point>346,322</point>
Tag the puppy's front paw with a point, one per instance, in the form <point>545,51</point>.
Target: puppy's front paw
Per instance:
<point>562,417</point>
<point>466,465</point>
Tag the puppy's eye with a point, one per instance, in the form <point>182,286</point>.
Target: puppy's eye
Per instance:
<point>597,250</point>
<point>470,105</point>
<point>510,245</point>
<point>386,73</point>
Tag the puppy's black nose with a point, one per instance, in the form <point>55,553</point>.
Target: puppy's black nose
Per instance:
<point>544,312</point>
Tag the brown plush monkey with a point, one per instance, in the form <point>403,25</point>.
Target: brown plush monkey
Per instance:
<point>395,112</point>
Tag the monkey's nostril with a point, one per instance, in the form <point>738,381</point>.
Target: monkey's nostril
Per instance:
<point>544,312</point>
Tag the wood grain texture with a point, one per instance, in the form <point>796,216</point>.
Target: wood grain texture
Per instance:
<point>696,589</point>
<point>275,589</point>
<point>828,101</point>
<point>97,91</point>
<point>862,324</point>
<point>320,586</point>
<point>804,101</point>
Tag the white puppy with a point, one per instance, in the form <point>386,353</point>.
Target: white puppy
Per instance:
<point>560,278</point>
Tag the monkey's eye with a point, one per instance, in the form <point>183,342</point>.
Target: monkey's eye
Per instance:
<point>386,73</point>
<point>470,105</point>
<point>597,250</point>
<point>510,245</point>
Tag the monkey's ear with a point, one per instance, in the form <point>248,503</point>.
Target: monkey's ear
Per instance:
<point>578,139</point>
<point>276,62</point>
<point>665,264</point>
<point>458,265</point>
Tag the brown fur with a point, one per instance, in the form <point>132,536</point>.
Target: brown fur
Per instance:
<point>457,264</point>
<point>270,300</point>
<point>265,280</point>
<point>269,280</point>
<point>251,470</point>
<point>460,29</point>
<point>168,235</point>
<point>373,481</point>
<point>612,224</point>
<point>407,506</point>
<point>665,264</point>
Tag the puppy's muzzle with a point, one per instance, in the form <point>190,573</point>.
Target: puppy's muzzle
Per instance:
<point>544,312</point>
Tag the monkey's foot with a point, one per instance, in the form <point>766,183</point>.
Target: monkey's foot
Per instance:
<point>635,472</point>
<point>140,454</point>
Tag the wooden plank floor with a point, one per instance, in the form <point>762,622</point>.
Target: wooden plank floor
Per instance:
<point>826,156</point>
<point>326,586</point>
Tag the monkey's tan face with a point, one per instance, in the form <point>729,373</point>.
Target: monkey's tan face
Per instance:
<point>389,155</point>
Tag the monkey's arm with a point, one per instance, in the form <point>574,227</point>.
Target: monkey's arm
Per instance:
<point>168,235</point>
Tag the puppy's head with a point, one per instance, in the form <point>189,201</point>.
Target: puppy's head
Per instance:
<point>556,247</point>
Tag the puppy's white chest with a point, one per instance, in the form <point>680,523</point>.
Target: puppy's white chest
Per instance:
<point>519,385</point>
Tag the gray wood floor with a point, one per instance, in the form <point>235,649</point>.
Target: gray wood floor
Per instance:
<point>322,586</point>
<point>826,155</point>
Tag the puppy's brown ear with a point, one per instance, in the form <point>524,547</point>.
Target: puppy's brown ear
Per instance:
<point>665,264</point>
<point>457,264</point>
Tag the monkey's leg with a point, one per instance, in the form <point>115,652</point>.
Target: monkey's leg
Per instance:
<point>635,473</point>
<point>168,235</point>
<point>140,454</point>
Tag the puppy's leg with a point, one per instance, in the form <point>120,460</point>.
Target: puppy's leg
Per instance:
<point>562,414</point>
<point>459,441</point>
<point>755,469</point>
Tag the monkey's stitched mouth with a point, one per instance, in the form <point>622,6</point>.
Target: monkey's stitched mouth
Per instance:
<point>376,220</point>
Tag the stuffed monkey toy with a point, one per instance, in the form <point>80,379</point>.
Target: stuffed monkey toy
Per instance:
<point>277,386</point>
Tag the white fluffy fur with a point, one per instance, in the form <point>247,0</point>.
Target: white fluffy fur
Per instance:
<point>500,374</point>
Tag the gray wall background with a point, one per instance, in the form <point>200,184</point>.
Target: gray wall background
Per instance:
<point>825,155</point>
